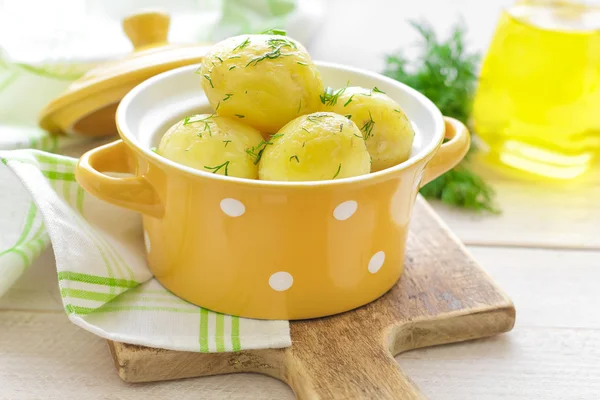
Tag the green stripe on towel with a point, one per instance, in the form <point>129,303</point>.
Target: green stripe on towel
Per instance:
<point>203,330</point>
<point>97,280</point>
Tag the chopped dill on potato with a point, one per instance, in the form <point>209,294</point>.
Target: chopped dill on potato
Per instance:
<point>296,157</point>
<point>242,45</point>
<point>368,127</point>
<point>329,98</point>
<point>217,168</point>
<point>207,77</point>
<point>256,152</point>
<point>338,171</point>
<point>191,120</point>
<point>349,101</point>
<point>275,31</point>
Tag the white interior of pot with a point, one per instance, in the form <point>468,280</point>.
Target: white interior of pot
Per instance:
<point>147,112</point>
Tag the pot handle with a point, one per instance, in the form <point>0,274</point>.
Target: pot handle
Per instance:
<point>450,153</point>
<point>135,192</point>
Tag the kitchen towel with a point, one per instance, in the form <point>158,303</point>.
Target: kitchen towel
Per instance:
<point>104,281</point>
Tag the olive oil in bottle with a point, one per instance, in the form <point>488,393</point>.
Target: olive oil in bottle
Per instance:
<point>537,107</point>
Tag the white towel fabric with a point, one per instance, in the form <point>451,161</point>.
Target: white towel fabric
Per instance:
<point>105,284</point>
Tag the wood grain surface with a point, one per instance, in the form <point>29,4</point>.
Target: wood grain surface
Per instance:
<point>443,297</point>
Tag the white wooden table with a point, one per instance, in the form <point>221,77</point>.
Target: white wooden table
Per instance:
<point>544,250</point>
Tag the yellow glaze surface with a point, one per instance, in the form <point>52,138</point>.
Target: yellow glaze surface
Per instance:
<point>102,88</point>
<point>264,250</point>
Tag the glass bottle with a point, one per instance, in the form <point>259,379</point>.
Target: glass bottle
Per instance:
<point>537,107</point>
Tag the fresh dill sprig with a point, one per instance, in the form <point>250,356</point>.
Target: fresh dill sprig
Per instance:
<point>217,107</point>
<point>315,117</point>
<point>219,58</point>
<point>377,90</point>
<point>191,120</point>
<point>296,157</point>
<point>398,111</point>
<point>327,93</point>
<point>281,42</point>
<point>301,63</point>
<point>217,168</point>
<point>330,98</point>
<point>242,45</point>
<point>276,45</point>
<point>274,31</point>
<point>299,106</point>
<point>240,115</point>
<point>461,187</point>
<point>349,116</point>
<point>207,77</point>
<point>256,152</point>
<point>236,56</point>
<point>227,96</point>
<point>226,142</point>
<point>337,172</point>
<point>349,101</point>
<point>270,55</point>
<point>446,73</point>
<point>153,149</point>
<point>206,120</point>
<point>341,127</point>
<point>306,130</point>
<point>367,128</point>
<point>232,67</point>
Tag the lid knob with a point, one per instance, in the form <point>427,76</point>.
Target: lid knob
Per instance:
<point>147,29</point>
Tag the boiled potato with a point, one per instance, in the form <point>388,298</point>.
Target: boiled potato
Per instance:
<point>384,126</point>
<point>315,147</point>
<point>212,143</point>
<point>265,80</point>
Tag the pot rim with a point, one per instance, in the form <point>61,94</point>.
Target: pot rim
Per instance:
<point>426,151</point>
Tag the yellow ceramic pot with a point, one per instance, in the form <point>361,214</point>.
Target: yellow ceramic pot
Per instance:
<point>260,249</point>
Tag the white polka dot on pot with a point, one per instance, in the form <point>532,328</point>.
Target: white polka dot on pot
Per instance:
<point>345,210</point>
<point>376,262</point>
<point>281,281</point>
<point>147,241</point>
<point>233,207</point>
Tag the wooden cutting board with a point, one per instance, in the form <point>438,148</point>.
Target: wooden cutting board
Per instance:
<point>442,297</point>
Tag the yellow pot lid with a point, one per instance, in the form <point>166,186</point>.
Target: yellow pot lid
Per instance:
<point>88,106</point>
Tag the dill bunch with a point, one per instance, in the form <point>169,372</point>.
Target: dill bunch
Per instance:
<point>446,73</point>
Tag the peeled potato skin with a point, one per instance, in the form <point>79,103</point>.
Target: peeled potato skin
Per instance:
<point>321,148</point>
<point>392,134</point>
<point>193,145</point>
<point>267,93</point>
